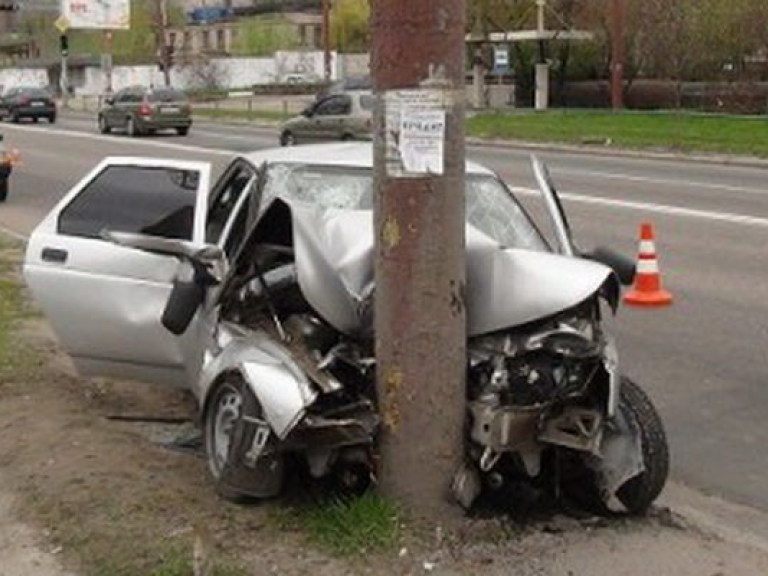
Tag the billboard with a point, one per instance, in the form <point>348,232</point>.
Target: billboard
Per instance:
<point>97,14</point>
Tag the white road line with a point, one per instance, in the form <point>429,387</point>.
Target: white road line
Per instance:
<point>659,208</point>
<point>12,234</point>
<point>135,141</point>
<point>647,180</point>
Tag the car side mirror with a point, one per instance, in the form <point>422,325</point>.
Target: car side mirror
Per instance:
<point>623,266</point>
<point>109,101</point>
<point>307,112</point>
<point>187,294</point>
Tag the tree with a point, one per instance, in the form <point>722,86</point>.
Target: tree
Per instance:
<point>261,36</point>
<point>350,29</point>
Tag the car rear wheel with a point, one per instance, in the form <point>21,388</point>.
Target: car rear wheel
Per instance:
<point>287,138</point>
<point>131,129</point>
<point>52,119</point>
<point>182,131</point>
<point>35,119</point>
<point>3,189</point>
<point>103,126</point>
<point>232,420</point>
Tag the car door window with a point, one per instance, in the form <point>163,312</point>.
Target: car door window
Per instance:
<point>334,106</point>
<point>161,201</point>
<point>225,197</point>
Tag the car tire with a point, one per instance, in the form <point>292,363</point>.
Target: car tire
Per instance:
<point>52,119</point>
<point>182,131</point>
<point>35,119</point>
<point>228,433</point>
<point>131,129</point>
<point>347,137</point>
<point>638,493</point>
<point>3,189</point>
<point>103,126</point>
<point>580,483</point>
<point>15,117</point>
<point>287,138</point>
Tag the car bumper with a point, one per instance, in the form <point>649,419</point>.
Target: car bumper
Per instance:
<point>32,112</point>
<point>158,122</point>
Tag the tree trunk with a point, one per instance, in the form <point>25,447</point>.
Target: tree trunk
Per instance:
<point>418,70</point>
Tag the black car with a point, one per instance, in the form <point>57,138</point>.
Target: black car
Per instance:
<point>28,102</point>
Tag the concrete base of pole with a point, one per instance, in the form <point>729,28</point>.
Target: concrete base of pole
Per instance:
<point>542,86</point>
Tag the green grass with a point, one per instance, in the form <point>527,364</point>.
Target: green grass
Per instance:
<point>687,132</point>
<point>350,526</point>
<point>17,361</point>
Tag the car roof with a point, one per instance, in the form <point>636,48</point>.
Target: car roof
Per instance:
<point>350,154</point>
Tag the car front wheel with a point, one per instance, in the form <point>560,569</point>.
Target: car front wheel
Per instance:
<point>639,492</point>
<point>232,420</point>
<point>182,131</point>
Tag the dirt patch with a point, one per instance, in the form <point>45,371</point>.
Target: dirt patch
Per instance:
<point>109,497</point>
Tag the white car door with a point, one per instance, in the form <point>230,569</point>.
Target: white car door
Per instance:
<point>105,301</point>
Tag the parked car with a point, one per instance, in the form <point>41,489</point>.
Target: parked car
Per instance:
<point>346,116</point>
<point>28,102</point>
<point>6,167</point>
<point>257,296</point>
<point>138,110</point>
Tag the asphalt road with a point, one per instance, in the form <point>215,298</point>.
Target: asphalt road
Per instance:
<point>703,360</point>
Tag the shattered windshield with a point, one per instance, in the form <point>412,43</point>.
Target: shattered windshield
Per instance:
<point>490,207</point>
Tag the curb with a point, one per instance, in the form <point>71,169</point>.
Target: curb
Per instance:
<point>586,150</point>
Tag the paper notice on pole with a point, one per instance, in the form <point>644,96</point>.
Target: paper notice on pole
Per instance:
<point>415,136</point>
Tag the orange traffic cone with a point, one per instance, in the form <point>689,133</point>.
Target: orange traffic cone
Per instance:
<point>647,290</point>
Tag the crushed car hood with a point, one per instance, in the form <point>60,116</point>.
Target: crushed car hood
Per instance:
<point>334,251</point>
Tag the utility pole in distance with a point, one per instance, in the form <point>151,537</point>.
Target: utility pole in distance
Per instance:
<point>417,61</point>
<point>327,43</point>
<point>618,52</point>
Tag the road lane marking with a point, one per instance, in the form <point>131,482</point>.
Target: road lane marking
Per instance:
<point>664,181</point>
<point>113,139</point>
<point>658,208</point>
<point>13,234</point>
<point>596,200</point>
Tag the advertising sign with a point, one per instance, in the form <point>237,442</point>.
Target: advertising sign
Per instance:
<point>97,14</point>
<point>500,59</point>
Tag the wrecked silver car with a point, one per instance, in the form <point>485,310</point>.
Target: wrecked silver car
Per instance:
<point>257,296</point>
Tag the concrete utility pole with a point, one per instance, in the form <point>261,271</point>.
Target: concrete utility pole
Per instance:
<point>618,52</point>
<point>161,47</point>
<point>327,42</point>
<point>417,60</point>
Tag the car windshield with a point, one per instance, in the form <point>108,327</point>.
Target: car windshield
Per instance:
<point>490,206</point>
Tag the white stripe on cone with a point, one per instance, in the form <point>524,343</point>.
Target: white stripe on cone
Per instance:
<point>647,247</point>
<point>647,267</point>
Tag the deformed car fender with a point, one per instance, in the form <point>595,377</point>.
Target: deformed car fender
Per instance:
<point>280,385</point>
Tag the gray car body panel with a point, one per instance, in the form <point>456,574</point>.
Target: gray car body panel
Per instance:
<point>505,287</point>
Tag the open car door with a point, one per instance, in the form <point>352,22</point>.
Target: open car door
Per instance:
<point>105,301</point>
<point>560,224</point>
